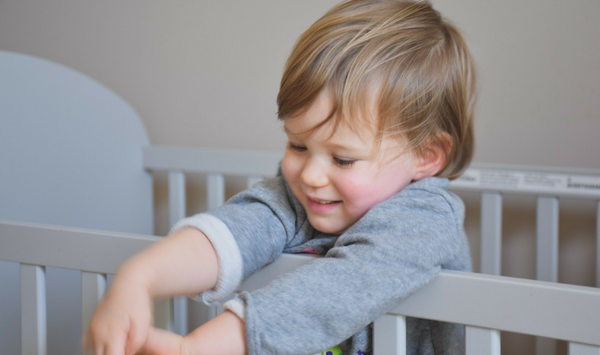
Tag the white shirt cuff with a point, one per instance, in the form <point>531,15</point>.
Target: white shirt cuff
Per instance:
<point>228,255</point>
<point>236,307</point>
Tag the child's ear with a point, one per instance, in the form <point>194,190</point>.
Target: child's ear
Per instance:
<point>432,158</point>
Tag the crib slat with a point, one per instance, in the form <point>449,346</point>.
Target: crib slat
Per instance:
<point>251,180</point>
<point>389,335</point>
<point>491,233</point>
<point>92,288</point>
<point>482,341</point>
<point>163,314</point>
<point>33,310</point>
<point>180,309</point>
<point>176,196</point>
<point>177,211</point>
<point>545,346</point>
<point>598,245</point>
<point>583,349</point>
<point>547,239</point>
<point>215,186</point>
<point>547,256</point>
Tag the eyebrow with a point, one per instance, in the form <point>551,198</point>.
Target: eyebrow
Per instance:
<point>288,132</point>
<point>346,147</point>
<point>340,146</point>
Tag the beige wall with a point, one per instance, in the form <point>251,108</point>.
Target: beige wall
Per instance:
<point>206,73</point>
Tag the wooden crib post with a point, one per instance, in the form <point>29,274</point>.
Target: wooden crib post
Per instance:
<point>177,211</point>
<point>491,233</point>
<point>33,310</point>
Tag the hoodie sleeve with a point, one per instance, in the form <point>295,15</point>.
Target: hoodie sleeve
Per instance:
<point>249,231</point>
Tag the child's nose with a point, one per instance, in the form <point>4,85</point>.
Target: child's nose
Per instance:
<point>314,173</point>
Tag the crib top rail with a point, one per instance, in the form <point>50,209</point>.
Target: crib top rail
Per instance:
<point>509,179</point>
<point>539,308</point>
<point>546,309</point>
<point>530,180</point>
<point>200,160</point>
<point>67,247</point>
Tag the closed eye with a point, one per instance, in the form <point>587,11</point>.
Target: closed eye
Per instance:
<point>295,147</point>
<point>345,163</point>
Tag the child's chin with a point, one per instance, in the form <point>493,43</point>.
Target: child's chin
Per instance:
<point>327,228</point>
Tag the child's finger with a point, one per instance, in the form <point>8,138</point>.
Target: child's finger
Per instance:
<point>89,348</point>
<point>161,342</point>
<point>135,338</point>
<point>113,349</point>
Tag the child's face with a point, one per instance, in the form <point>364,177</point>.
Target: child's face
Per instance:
<point>339,177</point>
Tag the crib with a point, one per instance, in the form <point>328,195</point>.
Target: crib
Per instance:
<point>33,243</point>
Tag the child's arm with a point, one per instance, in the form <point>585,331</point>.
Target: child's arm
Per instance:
<point>183,263</point>
<point>223,335</point>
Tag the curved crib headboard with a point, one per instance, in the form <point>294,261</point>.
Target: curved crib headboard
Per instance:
<point>72,147</point>
<point>70,155</point>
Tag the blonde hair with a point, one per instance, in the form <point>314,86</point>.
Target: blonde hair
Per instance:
<point>402,54</point>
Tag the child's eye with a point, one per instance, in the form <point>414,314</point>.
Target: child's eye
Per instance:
<point>344,162</point>
<point>296,147</point>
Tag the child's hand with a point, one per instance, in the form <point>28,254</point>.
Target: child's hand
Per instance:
<point>122,320</point>
<point>120,324</point>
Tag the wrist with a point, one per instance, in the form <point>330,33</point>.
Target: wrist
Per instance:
<point>222,335</point>
<point>131,279</point>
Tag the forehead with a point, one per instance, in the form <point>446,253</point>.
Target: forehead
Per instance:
<point>319,119</point>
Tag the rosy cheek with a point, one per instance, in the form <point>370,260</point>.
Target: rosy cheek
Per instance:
<point>291,167</point>
<point>288,167</point>
<point>359,195</point>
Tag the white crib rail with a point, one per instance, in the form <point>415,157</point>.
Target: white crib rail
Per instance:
<point>549,185</point>
<point>34,246</point>
<point>485,303</point>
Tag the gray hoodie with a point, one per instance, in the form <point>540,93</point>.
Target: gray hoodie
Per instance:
<point>398,246</point>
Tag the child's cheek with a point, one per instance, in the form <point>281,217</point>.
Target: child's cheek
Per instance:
<point>363,192</point>
<point>360,194</point>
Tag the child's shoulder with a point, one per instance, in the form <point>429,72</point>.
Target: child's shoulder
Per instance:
<point>429,184</point>
<point>429,196</point>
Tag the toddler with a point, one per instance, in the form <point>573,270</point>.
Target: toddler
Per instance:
<point>377,102</point>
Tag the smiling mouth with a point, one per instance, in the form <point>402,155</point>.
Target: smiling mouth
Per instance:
<point>321,206</point>
<point>321,202</point>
